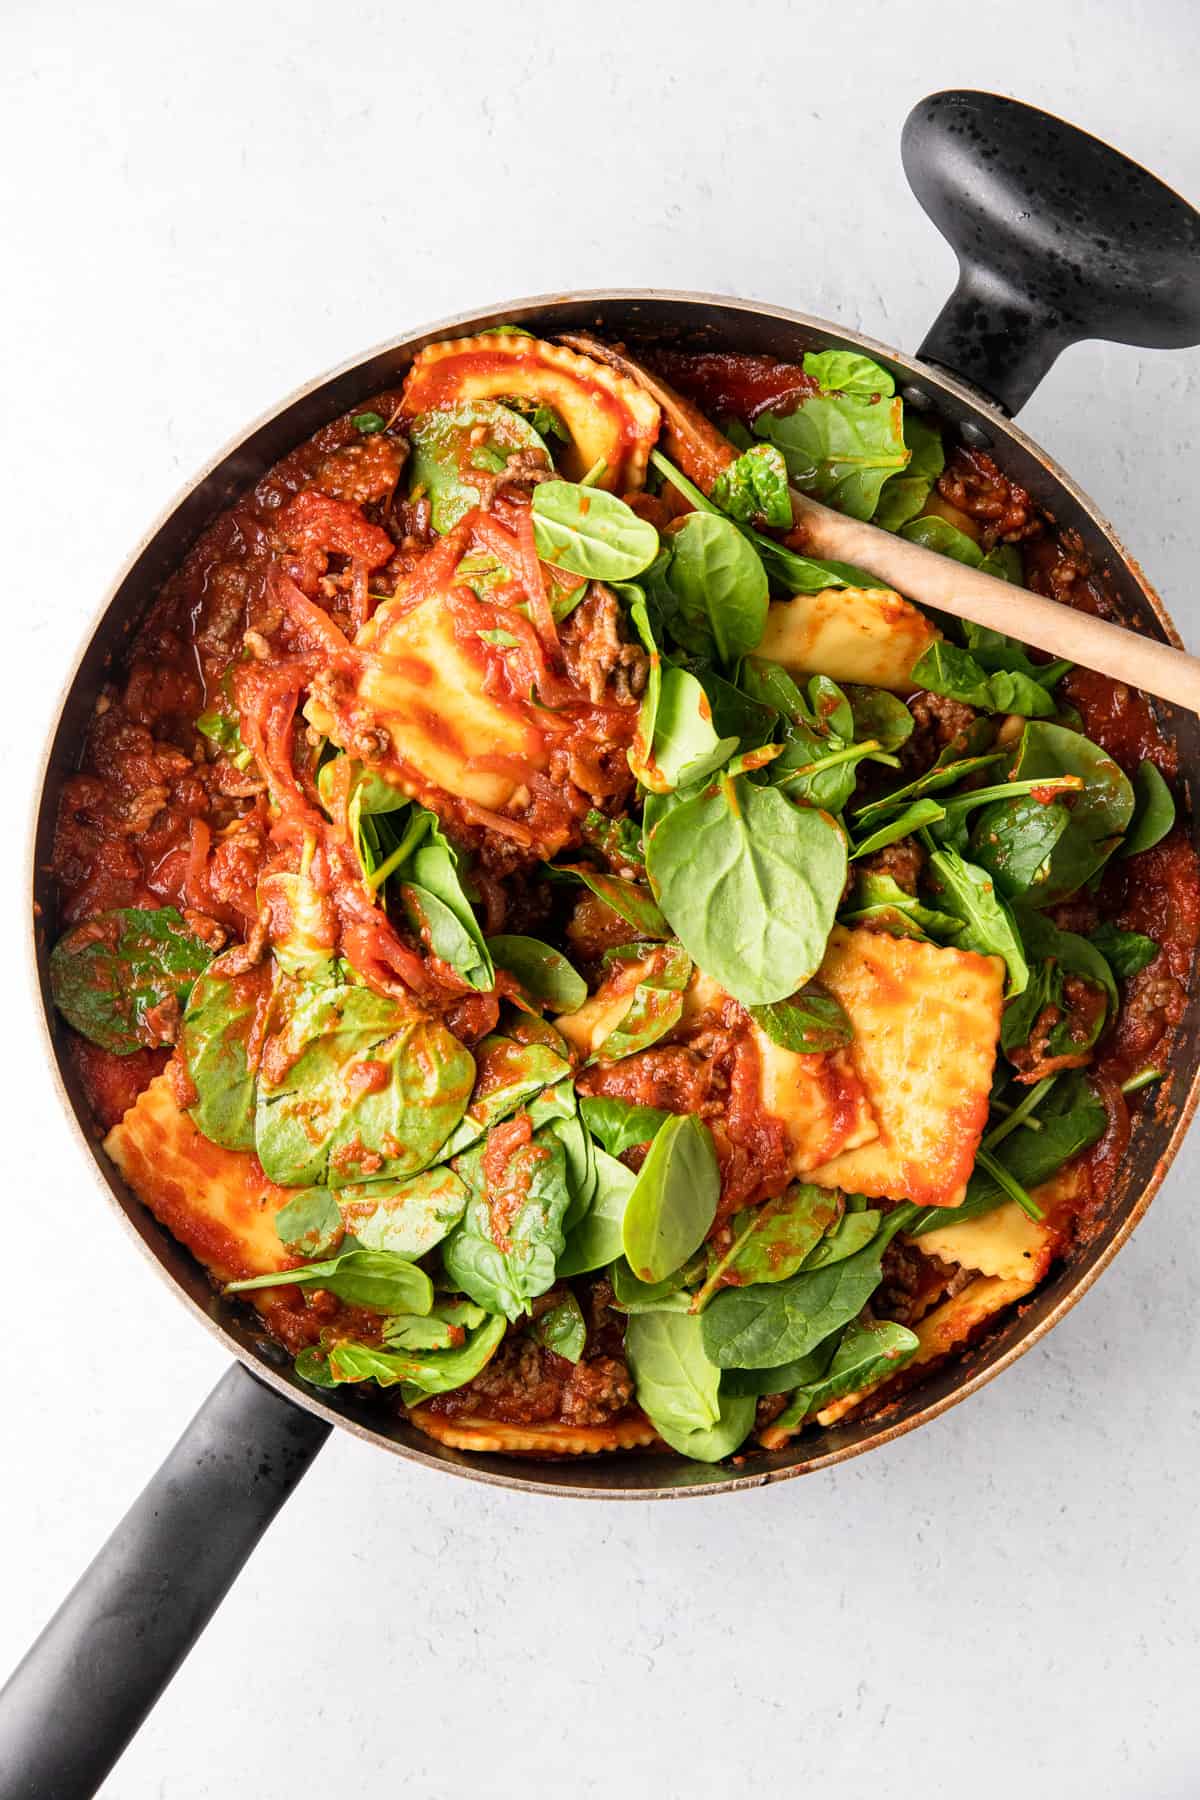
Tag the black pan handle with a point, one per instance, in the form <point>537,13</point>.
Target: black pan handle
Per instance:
<point>73,1704</point>
<point>1058,238</point>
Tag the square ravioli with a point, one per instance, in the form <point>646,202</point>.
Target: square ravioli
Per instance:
<point>926,1023</point>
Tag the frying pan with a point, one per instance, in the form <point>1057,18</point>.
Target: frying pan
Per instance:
<point>1059,238</point>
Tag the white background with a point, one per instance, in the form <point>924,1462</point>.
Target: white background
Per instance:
<point>206,205</point>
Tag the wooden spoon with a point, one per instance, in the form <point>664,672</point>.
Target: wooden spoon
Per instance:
<point>920,574</point>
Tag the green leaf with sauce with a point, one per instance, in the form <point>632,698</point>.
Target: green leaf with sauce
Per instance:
<point>810,1023</point>
<point>674,1199</point>
<point>310,1224</point>
<point>869,1352</point>
<point>408,1217</point>
<point>840,447</point>
<point>562,1329</point>
<point>368,1090</point>
<point>453,446</point>
<point>590,532</point>
<point>423,1372</point>
<point>755,486</point>
<point>377,1279</point>
<point>656,1006</point>
<point>507,1073</point>
<point>544,973</point>
<point>770,1242</point>
<point>628,899</point>
<point>505,1251</point>
<point>1154,811</point>
<point>221,1016</point>
<point>620,1124</point>
<point>1100,813</point>
<point>122,978</point>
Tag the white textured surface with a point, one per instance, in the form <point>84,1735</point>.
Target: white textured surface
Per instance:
<point>204,206</point>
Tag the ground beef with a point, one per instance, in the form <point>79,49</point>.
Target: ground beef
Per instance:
<point>903,862</point>
<point>596,653</point>
<point>596,1391</point>
<point>667,1076</point>
<point>940,723</point>
<point>973,484</point>
<point>363,472</point>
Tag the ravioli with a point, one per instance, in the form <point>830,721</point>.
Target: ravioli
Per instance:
<point>586,1029</point>
<point>1006,1242</point>
<point>465,1433</point>
<point>852,634</point>
<point>926,1023</point>
<point>422,684</point>
<point>217,1202</point>
<point>607,417</point>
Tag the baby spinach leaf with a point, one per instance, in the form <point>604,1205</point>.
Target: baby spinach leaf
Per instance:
<point>451,446</point>
<point>423,1372</point>
<point>310,1224</point>
<point>935,533</point>
<point>374,1278</point>
<point>121,977</point>
<point>1053,955</point>
<point>674,1199</point>
<point>618,840</point>
<point>1154,811</point>
<point>632,902</point>
<point>945,669</point>
<point>750,885</point>
<point>435,892</point>
<point>717,1441</point>
<point>869,1352</point>
<point>852,1232</point>
<point>590,532</point>
<point>562,1329</point>
<point>407,1217</point>
<point>1072,1119</point>
<point>580,1153</point>
<point>933,781</point>
<point>656,1008</point>
<point>879,900</point>
<point>367,1090</point>
<point>506,1073</point>
<point>755,486</point>
<point>504,1252</point>
<point>810,1023</point>
<point>840,447</point>
<point>596,1240</point>
<point>619,1124</point>
<point>671,1295</point>
<point>918,813</point>
<point>848,372</point>
<point>952,830</point>
<point>1014,841</point>
<point>1126,952</point>
<point>771,1241</point>
<point>677,1385</point>
<point>213,1042</point>
<point>444,1328</point>
<point>685,746</point>
<point>543,972</point>
<point>797,1373</point>
<point>1100,813</point>
<point>879,715</point>
<point>719,587</point>
<point>904,495</point>
<point>762,1326</point>
<point>968,893</point>
<point>994,651</point>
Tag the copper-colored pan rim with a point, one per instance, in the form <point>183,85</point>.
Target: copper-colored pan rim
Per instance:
<point>937,380</point>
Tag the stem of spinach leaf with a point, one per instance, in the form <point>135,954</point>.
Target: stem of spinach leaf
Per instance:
<point>1011,1186</point>
<point>1020,1113</point>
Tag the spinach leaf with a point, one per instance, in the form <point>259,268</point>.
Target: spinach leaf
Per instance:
<point>1126,952</point>
<point>368,423</point>
<point>953,831</point>
<point>1154,811</point>
<point>619,1124</point>
<point>879,715</point>
<point>1100,813</point>
<point>852,1232</point>
<point>374,1278</point>
<point>993,651</point>
<point>840,447</point>
<point>868,1353</point>
<point>503,1254</point>
<point>904,495</point>
<point>750,885</point>
<point>121,978</point>
<point>674,1199</point>
<point>968,893</point>
<point>310,1224</point>
<point>879,900</point>
<point>656,1008</point>
<point>670,1295</point>
<point>811,1022</point>
<point>562,1329</point>
<point>507,1072</point>
<point>945,669</point>
<point>771,1241</point>
<point>797,1373</point>
<point>408,1217</point>
<point>628,899</point>
<point>452,444</point>
<point>444,1328</point>
<point>543,972</point>
<point>918,813</point>
<point>1072,1119</point>
<point>679,1391</point>
<point>619,841</point>
<point>685,746</point>
<point>848,372</point>
<point>935,533</point>
<point>366,1090</point>
<point>225,731</point>
<point>596,1240</point>
<point>1054,954</point>
<point>1014,841</point>
<point>755,486</point>
<point>435,893</point>
<point>213,1042</point>
<point>762,1326</point>
<point>719,588</point>
<point>422,1372</point>
<point>590,532</point>
<point>931,782</point>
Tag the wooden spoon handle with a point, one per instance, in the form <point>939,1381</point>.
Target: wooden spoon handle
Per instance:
<point>928,579</point>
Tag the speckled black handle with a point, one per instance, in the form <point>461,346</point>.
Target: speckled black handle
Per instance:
<point>72,1706</point>
<point>1058,238</point>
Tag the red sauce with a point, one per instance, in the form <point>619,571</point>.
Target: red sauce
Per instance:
<point>724,383</point>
